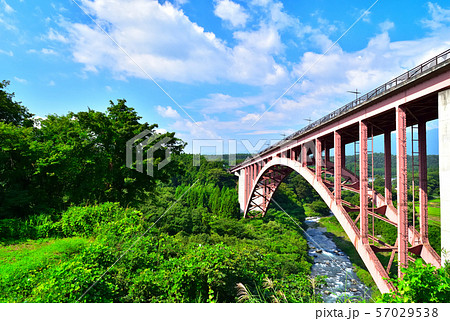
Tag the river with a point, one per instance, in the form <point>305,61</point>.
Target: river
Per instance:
<point>333,263</point>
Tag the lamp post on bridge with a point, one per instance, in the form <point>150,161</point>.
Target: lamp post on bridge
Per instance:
<point>356,92</point>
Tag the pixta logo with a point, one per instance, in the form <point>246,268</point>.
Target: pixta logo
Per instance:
<point>146,143</point>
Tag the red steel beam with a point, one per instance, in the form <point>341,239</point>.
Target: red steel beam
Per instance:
<point>318,160</point>
<point>249,180</point>
<point>402,181</point>
<point>253,176</point>
<point>363,186</point>
<point>337,167</point>
<point>304,159</point>
<point>246,189</point>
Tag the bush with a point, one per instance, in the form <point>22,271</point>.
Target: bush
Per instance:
<point>83,221</point>
<point>33,227</point>
<point>67,281</point>
<point>421,283</point>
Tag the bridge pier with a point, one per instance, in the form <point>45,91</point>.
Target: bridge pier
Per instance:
<point>363,179</point>
<point>318,155</point>
<point>337,167</point>
<point>402,197</point>
<point>444,169</point>
<point>241,188</point>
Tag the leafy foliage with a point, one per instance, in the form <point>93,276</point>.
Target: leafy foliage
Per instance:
<point>421,283</point>
<point>76,159</point>
<point>12,112</point>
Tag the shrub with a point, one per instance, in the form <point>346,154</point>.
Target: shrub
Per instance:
<point>83,221</point>
<point>421,283</point>
<point>67,281</point>
<point>33,227</point>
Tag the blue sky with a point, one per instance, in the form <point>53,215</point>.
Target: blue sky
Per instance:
<point>223,63</point>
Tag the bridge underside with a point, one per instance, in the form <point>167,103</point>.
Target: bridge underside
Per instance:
<point>330,177</point>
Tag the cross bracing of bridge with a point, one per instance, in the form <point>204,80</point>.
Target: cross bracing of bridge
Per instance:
<point>409,100</point>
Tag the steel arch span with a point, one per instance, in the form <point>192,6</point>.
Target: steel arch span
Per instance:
<point>271,176</point>
<point>406,102</point>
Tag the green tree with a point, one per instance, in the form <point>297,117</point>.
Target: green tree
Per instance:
<point>78,158</point>
<point>320,208</point>
<point>16,170</point>
<point>11,111</point>
<point>303,189</point>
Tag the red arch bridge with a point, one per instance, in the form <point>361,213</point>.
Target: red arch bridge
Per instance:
<point>405,103</point>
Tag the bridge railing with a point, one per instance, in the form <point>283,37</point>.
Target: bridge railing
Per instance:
<point>368,96</point>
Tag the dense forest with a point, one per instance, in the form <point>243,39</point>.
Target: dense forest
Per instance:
<point>78,225</point>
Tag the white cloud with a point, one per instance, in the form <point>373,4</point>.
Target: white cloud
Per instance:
<point>150,33</point>
<point>58,7</point>
<point>231,12</point>
<point>253,57</point>
<point>324,87</point>
<point>179,3</point>
<point>47,51</point>
<point>439,16</point>
<point>21,80</point>
<point>37,121</point>
<point>223,103</point>
<point>170,47</point>
<point>8,25</point>
<point>275,15</point>
<point>8,53</point>
<point>168,112</point>
<point>386,25</point>
<point>160,131</point>
<point>56,36</point>
<point>365,15</point>
<point>51,83</point>
<point>8,9</point>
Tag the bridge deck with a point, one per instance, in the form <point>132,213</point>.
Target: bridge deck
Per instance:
<point>424,107</point>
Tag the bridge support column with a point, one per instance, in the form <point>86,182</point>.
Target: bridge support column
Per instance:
<point>252,175</point>
<point>363,182</point>
<point>402,181</point>
<point>304,159</point>
<point>387,168</point>
<point>241,189</point>
<point>318,160</point>
<point>247,184</point>
<point>337,167</point>
<point>444,170</point>
<point>423,185</point>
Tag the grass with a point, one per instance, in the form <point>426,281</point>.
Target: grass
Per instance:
<point>434,212</point>
<point>435,200</point>
<point>36,254</point>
